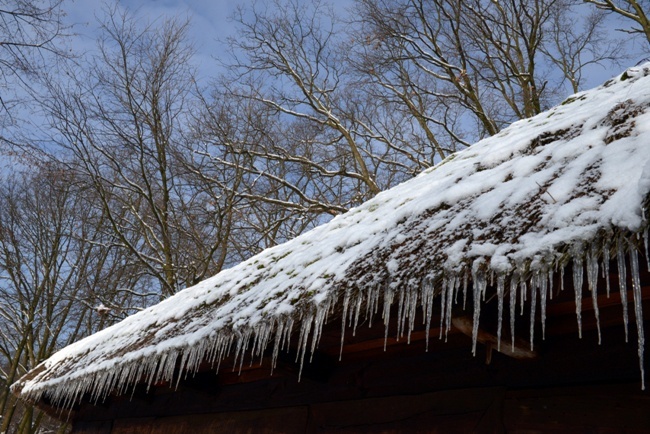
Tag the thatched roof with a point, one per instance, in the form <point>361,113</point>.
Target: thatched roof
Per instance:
<point>571,184</point>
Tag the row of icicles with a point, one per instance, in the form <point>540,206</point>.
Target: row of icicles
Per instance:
<point>254,340</point>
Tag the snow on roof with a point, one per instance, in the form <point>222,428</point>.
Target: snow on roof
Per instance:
<point>570,184</point>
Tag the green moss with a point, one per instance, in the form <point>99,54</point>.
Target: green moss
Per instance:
<point>407,200</point>
<point>277,258</point>
<point>572,99</point>
<point>313,261</point>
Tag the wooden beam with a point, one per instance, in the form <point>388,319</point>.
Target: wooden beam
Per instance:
<point>520,350</point>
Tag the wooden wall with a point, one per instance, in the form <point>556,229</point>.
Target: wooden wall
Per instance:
<point>588,409</point>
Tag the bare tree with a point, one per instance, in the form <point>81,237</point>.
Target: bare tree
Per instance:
<point>290,48</point>
<point>574,43</point>
<point>319,114</point>
<point>28,40</point>
<point>474,63</point>
<point>429,41</point>
<point>634,10</point>
<point>276,175</point>
<point>124,121</point>
<point>58,265</point>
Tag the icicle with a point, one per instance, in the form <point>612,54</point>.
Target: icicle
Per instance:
<point>592,281</point>
<point>638,309</point>
<point>465,282</point>
<point>246,337</point>
<point>369,303</point>
<point>372,302</point>
<point>561,278</point>
<point>388,301</point>
<point>577,286</point>
<point>500,291</point>
<point>302,342</point>
<point>551,276</point>
<point>288,333</point>
<point>491,283</point>
<point>237,350</point>
<point>413,306</point>
<point>645,243</point>
<point>513,306</point>
<point>451,293</point>
<point>346,304</point>
<point>319,320</point>
<point>258,332</point>
<point>443,303</point>
<point>606,260</point>
<point>480,283</point>
<point>266,338</point>
<point>357,314</point>
<point>223,344</point>
<point>276,345</point>
<point>400,314</point>
<point>428,306</point>
<point>622,282</point>
<point>212,351</point>
<point>543,287</point>
<point>533,304</point>
<point>522,291</point>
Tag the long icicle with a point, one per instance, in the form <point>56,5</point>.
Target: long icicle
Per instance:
<point>534,284</point>
<point>479,284</point>
<point>543,291</point>
<point>592,280</point>
<point>622,283</point>
<point>346,304</point>
<point>388,301</point>
<point>412,312</point>
<point>606,259</point>
<point>451,296</point>
<point>514,282</point>
<point>523,289</point>
<point>638,309</point>
<point>428,306</point>
<point>577,287</point>
<point>443,305</point>
<point>465,283</point>
<point>645,243</point>
<point>501,282</point>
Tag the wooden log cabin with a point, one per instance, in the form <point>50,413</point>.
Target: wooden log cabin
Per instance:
<point>501,291</point>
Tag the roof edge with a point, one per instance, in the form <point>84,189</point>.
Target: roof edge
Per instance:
<point>276,332</point>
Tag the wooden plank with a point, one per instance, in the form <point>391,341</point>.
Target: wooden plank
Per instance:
<point>568,307</point>
<point>133,426</point>
<point>272,421</point>
<point>454,411</point>
<point>618,408</point>
<point>521,349</point>
<point>93,427</point>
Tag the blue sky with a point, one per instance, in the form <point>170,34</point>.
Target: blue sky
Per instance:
<point>210,26</point>
<point>209,22</point>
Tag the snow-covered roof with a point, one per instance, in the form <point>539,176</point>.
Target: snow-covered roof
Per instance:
<point>571,184</point>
